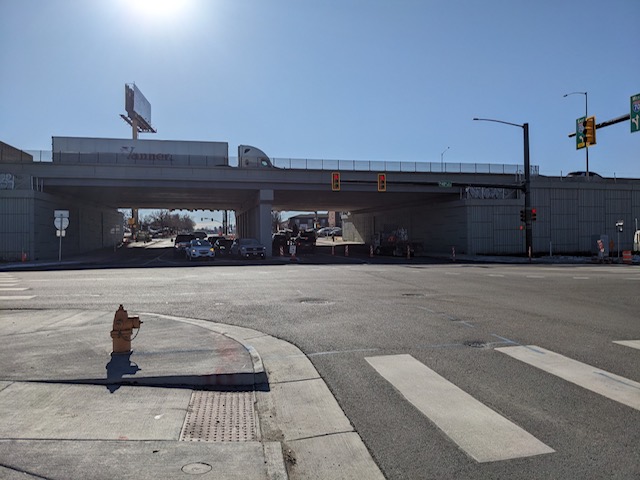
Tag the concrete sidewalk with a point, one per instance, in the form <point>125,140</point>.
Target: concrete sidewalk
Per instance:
<point>193,398</point>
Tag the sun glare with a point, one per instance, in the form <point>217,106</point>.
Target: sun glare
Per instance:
<point>157,8</point>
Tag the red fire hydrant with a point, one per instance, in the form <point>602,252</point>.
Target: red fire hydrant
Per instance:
<point>123,326</point>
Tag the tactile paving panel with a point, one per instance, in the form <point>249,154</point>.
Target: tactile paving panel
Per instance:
<point>220,417</point>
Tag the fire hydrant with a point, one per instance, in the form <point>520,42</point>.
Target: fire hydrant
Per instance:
<point>123,326</point>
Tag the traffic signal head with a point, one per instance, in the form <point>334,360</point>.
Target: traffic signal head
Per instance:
<point>590,131</point>
<point>335,181</point>
<point>534,214</point>
<point>523,218</point>
<point>382,182</point>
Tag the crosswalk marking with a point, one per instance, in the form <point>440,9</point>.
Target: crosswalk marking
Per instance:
<point>8,283</point>
<point>599,381</point>
<point>481,432</point>
<point>629,343</point>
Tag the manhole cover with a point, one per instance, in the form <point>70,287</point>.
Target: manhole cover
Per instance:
<point>220,417</point>
<point>197,468</point>
<point>475,344</point>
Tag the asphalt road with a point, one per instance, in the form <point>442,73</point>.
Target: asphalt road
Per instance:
<point>453,319</point>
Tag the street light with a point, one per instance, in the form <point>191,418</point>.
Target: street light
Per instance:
<point>527,181</point>
<point>441,158</point>
<point>586,115</point>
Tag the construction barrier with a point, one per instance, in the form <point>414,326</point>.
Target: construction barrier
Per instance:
<point>346,250</point>
<point>371,251</point>
<point>626,257</point>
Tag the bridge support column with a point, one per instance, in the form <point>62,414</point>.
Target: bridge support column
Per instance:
<point>254,219</point>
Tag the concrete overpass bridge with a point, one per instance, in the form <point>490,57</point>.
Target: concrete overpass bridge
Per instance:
<point>253,193</point>
<point>474,207</point>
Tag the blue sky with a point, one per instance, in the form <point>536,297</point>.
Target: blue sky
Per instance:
<point>333,79</point>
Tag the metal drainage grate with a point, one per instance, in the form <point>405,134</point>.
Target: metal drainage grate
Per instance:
<point>220,417</point>
<point>315,301</point>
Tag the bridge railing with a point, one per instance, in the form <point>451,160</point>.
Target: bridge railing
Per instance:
<point>393,166</point>
<point>308,164</point>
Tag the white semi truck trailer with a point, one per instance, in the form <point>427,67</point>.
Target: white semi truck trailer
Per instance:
<point>154,152</point>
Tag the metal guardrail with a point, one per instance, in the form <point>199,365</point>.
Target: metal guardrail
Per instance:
<point>307,164</point>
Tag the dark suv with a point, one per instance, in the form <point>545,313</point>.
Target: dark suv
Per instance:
<point>181,243</point>
<point>306,241</point>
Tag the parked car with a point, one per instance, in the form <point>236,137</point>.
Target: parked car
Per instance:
<point>306,241</point>
<point>247,248</point>
<point>200,249</point>
<point>222,246</point>
<point>181,243</point>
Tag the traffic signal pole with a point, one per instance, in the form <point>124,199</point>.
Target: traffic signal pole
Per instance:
<point>527,193</point>
<point>527,182</point>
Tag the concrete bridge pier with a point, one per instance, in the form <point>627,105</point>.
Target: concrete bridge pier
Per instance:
<point>253,219</point>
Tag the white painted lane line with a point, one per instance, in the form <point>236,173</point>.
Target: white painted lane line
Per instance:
<point>496,275</point>
<point>599,381</point>
<point>629,343</point>
<point>535,276</point>
<point>18,297</point>
<point>581,278</point>
<point>481,432</point>
<point>13,289</point>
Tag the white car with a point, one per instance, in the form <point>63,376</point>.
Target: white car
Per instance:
<point>200,249</point>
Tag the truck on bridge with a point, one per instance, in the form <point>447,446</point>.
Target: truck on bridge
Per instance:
<point>154,152</point>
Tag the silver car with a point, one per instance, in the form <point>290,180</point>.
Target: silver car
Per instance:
<point>247,248</point>
<point>200,249</point>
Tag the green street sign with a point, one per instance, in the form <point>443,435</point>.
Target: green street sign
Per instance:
<point>444,184</point>
<point>635,113</point>
<point>580,136</point>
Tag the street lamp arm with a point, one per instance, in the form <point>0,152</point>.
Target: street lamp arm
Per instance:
<point>574,93</point>
<point>498,121</point>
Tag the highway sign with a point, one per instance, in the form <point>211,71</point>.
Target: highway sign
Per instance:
<point>635,113</point>
<point>445,184</point>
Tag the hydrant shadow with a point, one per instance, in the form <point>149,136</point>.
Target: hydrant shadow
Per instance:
<point>119,365</point>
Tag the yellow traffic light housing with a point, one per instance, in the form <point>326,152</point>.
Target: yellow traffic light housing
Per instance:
<point>382,182</point>
<point>335,181</point>
<point>590,131</point>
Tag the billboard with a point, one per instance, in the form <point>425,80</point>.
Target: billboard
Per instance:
<point>137,106</point>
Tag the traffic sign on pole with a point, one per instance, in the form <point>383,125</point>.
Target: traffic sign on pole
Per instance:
<point>61,223</point>
<point>580,133</point>
<point>635,113</point>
